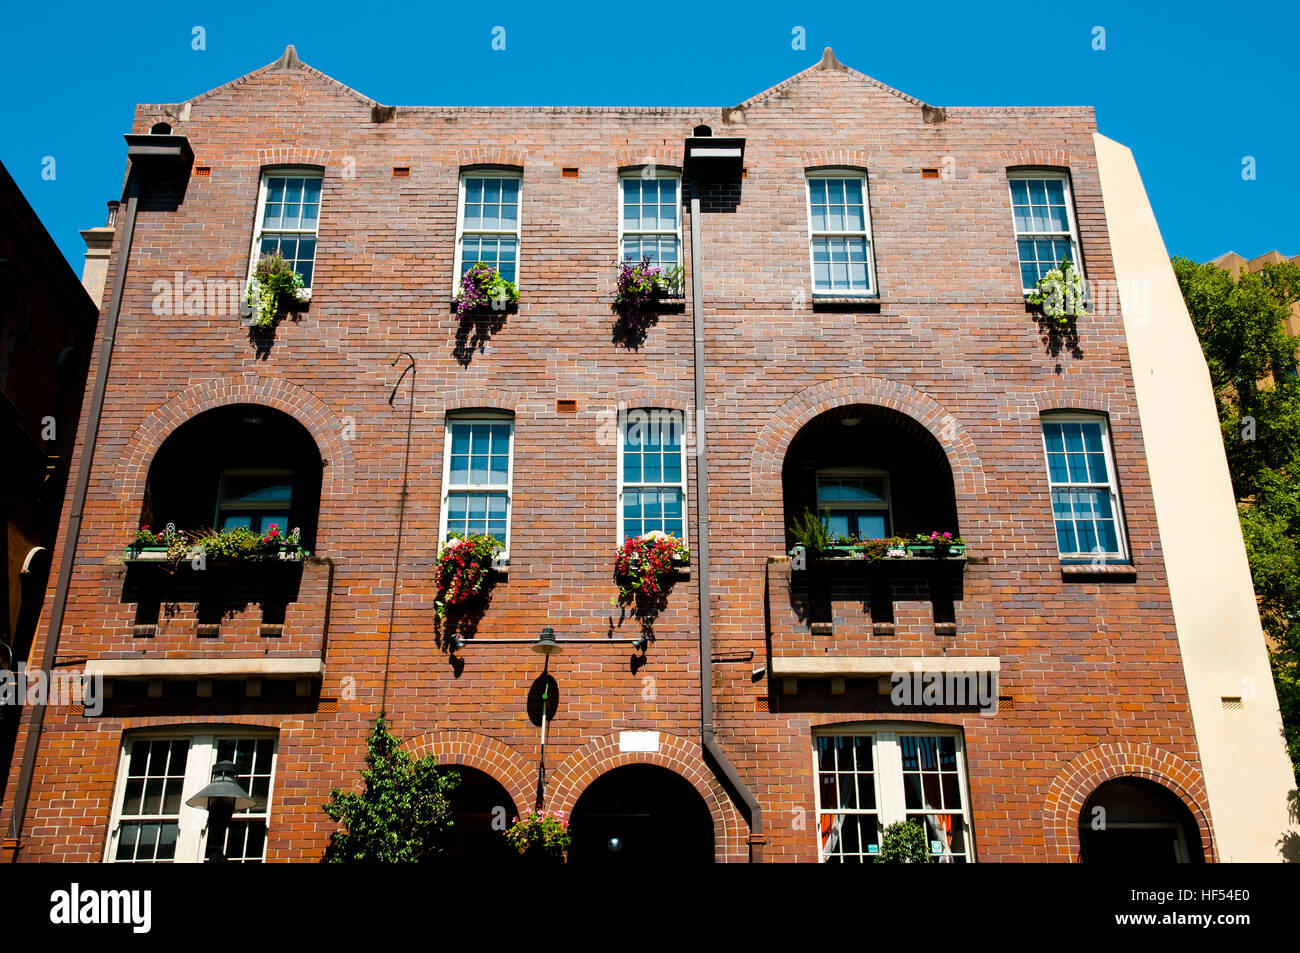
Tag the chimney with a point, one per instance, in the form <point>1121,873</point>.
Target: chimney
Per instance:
<point>99,243</point>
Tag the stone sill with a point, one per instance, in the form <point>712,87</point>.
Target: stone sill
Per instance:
<point>812,666</point>
<point>870,303</point>
<point>1112,572</point>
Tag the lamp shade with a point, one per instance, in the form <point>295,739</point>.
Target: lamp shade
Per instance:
<point>546,644</point>
<point>223,787</point>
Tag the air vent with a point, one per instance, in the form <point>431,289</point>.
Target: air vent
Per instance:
<point>1006,703</point>
<point>1232,703</point>
<point>566,406</point>
<point>761,704</point>
<point>327,705</point>
<point>401,171</point>
<point>203,171</point>
<point>929,173</point>
<point>569,172</point>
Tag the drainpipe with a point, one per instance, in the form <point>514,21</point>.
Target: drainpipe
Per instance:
<point>146,154</point>
<point>710,742</point>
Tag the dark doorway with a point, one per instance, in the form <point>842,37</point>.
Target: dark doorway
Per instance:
<point>641,815</point>
<point>483,811</point>
<point>1132,820</point>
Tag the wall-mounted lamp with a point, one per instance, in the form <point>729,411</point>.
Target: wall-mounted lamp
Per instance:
<point>221,799</point>
<point>546,644</point>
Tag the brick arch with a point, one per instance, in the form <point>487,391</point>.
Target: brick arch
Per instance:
<point>498,761</point>
<point>682,757</point>
<point>298,402</point>
<point>1073,398</point>
<point>293,155</point>
<point>1071,788</point>
<point>474,398</point>
<point>833,158</point>
<point>788,419</point>
<point>1036,159</point>
<point>491,155</point>
<point>660,155</point>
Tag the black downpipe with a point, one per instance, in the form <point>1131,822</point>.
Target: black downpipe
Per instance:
<point>73,531</point>
<point>710,742</point>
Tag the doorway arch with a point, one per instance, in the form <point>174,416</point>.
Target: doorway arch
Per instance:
<point>641,814</point>
<point>483,809</point>
<point>1133,820</point>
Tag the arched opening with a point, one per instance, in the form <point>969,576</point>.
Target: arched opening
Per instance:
<point>241,465</point>
<point>483,810</point>
<point>641,814</point>
<point>872,472</point>
<point>1133,820</point>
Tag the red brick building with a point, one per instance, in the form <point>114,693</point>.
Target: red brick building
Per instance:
<point>856,264</point>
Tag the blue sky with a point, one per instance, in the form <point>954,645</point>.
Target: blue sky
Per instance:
<point>1193,90</point>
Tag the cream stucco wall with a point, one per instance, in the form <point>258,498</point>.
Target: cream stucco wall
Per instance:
<point>1247,774</point>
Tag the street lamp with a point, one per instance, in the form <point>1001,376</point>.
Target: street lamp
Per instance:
<point>221,799</point>
<point>546,644</point>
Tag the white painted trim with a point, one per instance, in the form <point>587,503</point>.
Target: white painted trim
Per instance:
<point>477,416</point>
<point>460,224</point>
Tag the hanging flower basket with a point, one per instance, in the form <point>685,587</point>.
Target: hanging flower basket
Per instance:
<point>540,836</point>
<point>463,571</point>
<point>1060,294</point>
<point>644,562</point>
<point>483,289</point>
<point>275,289</point>
<point>639,287</point>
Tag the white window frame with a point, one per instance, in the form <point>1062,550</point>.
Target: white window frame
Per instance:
<point>192,839</point>
<point>857,472</point>
<point>887,760</point>
<point>471,417</point>
<point>269,505</point>
<point>1113,486</point>
<point>622,232</point>
<point>517,232</point>
<point>873,290</point>
<point>656,414</point>
<point>291,171</point>
<point>1064,177</point>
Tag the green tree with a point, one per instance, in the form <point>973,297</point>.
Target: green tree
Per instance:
<point>404,813</point>
<point>1242,326</point>
<point>903,842</point>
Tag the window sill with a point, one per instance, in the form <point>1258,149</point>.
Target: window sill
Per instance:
<point>870,303</point>
<point>512,307</point>
<point>1114,572</point>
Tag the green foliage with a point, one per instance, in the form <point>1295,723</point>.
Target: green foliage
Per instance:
<point>404,813</point>
<point>811,531</point>
<point>1060,293</point>
<point>274,289</point>
<point>1242,326</point>
<point>904,842</point>
<point>482,286</point>
<point>540,835</point>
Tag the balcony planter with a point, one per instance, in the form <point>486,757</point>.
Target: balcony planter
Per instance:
<point>482,289</point>
<point>643,564</point>
<point>229,546</point>
<point>463,571</point>
<point>936,545</point>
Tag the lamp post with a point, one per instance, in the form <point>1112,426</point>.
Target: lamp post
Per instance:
<point>545,646</point>
<point>221,799</point>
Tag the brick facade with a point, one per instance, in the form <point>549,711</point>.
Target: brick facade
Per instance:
<point>1092,663</point>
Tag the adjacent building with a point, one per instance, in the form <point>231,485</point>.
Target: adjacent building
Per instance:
<point>1084,679</point>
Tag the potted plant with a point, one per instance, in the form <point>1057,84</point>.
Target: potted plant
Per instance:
<point>873,550</point>
<point>463,569</point>
<point>540,836</point>
<point>811,531</point>
<point>644,562</point>
<point>481,288</point>
<point>275,288</point>
<point>639,286</point>
<point>904,842</point>
<point>937,544</point>
<point>1060,293</point>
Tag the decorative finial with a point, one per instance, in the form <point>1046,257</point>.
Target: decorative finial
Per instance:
<point>288,59</point>
<point>829,61</point>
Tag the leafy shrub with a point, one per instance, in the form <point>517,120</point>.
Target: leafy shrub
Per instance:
<point>1060,293</point>
<point>402,815</point>
<point>812,532</point>
<point>904,842</point>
